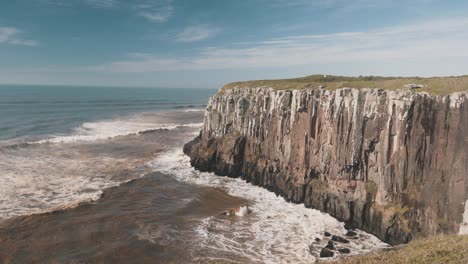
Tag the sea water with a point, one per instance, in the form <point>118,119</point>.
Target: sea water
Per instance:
<point>97,174</point>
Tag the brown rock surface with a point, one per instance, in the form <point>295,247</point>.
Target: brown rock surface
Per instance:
<point>393,163</point>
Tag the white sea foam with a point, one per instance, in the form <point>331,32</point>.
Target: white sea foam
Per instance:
<point>275,232</point>
<point>112,128</point>
<point>44,184</point>
<point>194,110</point>
<point>464,225</point>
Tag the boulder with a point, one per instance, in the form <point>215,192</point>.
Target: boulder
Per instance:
<point>326,253</point>
<point>339,239</point>
<point>344,250</point>
<point>330,245</point>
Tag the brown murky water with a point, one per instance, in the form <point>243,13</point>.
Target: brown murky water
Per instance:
<point>149,220</point>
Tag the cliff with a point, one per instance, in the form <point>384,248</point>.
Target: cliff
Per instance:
<point>390,162</point>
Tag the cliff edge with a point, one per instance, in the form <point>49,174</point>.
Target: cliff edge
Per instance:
<point>391,162</point>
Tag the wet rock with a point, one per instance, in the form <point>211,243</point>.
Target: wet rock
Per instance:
<point>326,253</point>
<point>347,226</point>
<point>339,239</point>
<point>330,245</point>
<point>327,234</point>
<point>350,233</point>
<point>344,250</point>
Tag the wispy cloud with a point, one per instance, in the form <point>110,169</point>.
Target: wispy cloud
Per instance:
<point>197,33</point>
<point>434,40</point>
<point>326,3</point>
<point>11,35</point>
<point>153,10</point>
<point>102,3</point>
<point>157,11</point>
<point>89,3</point>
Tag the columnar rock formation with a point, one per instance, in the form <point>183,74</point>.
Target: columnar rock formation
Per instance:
<point>393,163</point>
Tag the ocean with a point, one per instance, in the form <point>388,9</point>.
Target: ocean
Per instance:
<point>97,175</point>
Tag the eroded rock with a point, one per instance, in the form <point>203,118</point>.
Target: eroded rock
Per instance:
<point>387,162</point>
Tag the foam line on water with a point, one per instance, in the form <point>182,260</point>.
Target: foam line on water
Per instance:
<point>112,128</point>
<point>276,231</point>
<point>31,190</point>
<point>464,225</point>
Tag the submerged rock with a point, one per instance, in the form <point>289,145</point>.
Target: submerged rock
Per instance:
<point>238,211</point>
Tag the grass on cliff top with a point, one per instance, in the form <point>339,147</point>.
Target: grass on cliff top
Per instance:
<point>438,249</point>
<point>433,85</point>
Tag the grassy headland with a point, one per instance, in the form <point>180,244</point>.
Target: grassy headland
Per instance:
<point>432,85</point>
<point>437,249</point>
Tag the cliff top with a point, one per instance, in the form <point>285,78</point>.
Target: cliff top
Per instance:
<point>432,85</point>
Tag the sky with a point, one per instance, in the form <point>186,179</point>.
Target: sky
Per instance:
<point>207,43</point>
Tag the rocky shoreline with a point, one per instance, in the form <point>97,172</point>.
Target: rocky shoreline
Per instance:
<point>392,163</point>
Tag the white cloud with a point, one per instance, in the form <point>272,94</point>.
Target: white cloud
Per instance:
<point>421,41</point>
<point>197,33</point>
<point>101,3</point>
<point>90,3</point>
<point>11,35</point>
<point>156,16</point>
<point>155,10</point>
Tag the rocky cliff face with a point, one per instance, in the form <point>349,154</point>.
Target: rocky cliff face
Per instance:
<point>393,163</point>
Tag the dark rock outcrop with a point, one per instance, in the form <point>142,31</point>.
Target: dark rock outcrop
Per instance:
<point>330,245</point>
<point>392,163</point>
<point>344,250</point>
<point>339,239</point>
<point>326,253</point>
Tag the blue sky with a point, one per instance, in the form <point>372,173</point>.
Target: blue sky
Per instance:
<point>196,43</point>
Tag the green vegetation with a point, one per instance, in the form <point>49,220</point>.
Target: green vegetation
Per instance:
<point>439,249</point>
<point>432,85</point>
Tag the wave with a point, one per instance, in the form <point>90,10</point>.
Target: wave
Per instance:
<point>275,232</point>
<point>104,129</point>
<point>25,192</point>
<point>110,129</point>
